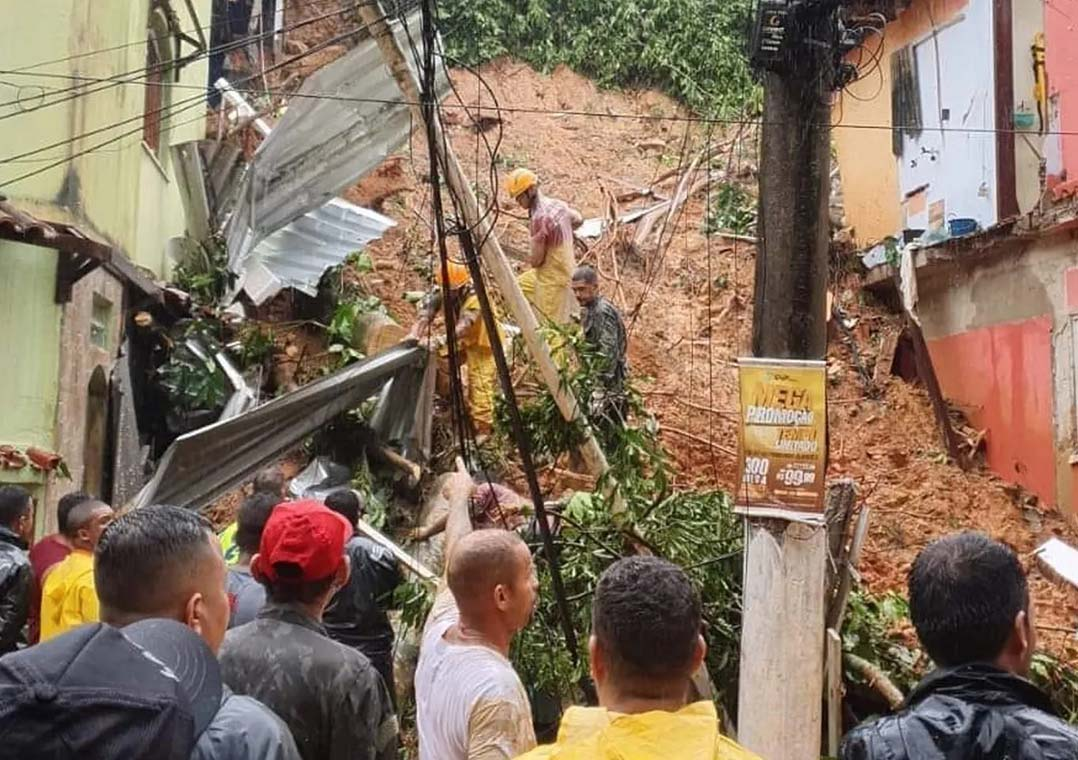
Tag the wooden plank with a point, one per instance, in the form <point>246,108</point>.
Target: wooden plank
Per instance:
<point>782,678</point>
<point>885,360</point>
<point>834,691</point>
<point>1006,177</point>
<point>927,373</point>
<point>406,559</point>
<point>837,612</point>
<point>491,250</point>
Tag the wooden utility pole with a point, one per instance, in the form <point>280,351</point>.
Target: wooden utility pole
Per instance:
<point>782,635</point>
<point>490,249</point>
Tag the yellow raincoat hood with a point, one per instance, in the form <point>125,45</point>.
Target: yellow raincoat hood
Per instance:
<point>592,733</point>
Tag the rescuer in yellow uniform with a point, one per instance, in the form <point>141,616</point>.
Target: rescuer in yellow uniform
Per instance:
<point>550,225</point>
<point>472,340</point>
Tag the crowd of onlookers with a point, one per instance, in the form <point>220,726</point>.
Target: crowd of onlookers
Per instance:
<point>132,636</point>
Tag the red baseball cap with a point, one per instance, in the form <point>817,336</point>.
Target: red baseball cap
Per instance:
<point>306,534</point>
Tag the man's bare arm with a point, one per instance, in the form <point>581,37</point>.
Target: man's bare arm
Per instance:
<point>457,491</point>
<point>538,253</point>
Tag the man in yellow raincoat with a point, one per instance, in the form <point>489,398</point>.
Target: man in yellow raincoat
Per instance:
<point>472,339</point>
<point>550,223</point>
<point>68,597</point>
<point>645,645</point>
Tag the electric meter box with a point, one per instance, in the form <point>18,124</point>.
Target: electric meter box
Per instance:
<point>769,34</point>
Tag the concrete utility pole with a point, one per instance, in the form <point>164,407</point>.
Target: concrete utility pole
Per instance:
<point>782,636</point>
<point>490,251</point>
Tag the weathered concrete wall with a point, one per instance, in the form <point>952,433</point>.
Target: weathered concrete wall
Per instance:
<point>1029,143</point>
<point>1001,335</point>
<point>89,337</point>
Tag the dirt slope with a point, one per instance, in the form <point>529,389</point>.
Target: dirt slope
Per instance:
<point>684,358</point>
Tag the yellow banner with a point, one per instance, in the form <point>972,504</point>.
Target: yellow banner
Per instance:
<point>783,452</point>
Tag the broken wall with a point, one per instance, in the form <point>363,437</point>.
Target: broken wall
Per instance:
<point>89,338</point>
<point>1001,328</point>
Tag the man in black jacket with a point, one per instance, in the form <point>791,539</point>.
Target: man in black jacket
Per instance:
<point>16,576</point>
<point>356,615</point>
<point>970,605</point>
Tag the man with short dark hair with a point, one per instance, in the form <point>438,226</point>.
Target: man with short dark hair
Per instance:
<point>970,605</point>
<point>356,615</point>
<point>604,332</point>
<point>247,594</point>
<point>49,551</point>
<point>329,694</point>
<point>470,703</point>
<point>68,598</point>
<point>16,575</point>
<point>163,562</point>
<point>269,480</point>
<point>645,644</point>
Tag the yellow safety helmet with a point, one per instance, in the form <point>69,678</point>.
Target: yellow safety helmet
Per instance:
<point>520,180</point>
<point>458,274</point>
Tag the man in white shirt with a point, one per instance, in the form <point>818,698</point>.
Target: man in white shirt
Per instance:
<point>470,702</point>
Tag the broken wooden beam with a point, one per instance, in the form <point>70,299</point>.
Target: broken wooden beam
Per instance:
<point>403,557</point>
<point>927,373</point>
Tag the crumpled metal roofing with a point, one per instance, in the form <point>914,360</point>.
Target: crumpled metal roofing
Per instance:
<point>344,120</point>
<point>299,254</point>
<point>203,464</point>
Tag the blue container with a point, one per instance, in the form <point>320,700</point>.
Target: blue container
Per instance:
<point>963,226</point>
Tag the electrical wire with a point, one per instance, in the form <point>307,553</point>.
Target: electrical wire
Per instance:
<point>560,113</point>
<point>134,75</point>
<point>171,112</point>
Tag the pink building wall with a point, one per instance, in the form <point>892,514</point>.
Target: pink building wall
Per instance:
<point>1061,58</point>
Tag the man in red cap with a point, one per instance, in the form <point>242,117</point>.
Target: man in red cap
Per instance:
<point>328,694</point>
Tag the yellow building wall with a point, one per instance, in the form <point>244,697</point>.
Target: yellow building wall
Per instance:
<point>862,134</point>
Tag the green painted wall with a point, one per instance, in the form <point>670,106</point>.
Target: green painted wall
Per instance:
<point>106,182</point>
<point>31,340</point>
<point>118,189</point>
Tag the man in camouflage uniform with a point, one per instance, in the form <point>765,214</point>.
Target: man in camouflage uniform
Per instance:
<point>604,332</point>
<point>329,694</point>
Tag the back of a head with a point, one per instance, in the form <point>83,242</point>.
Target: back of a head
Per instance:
<point>345,503</point>
<point>63,510</point>
<point>585,273</point>
<point>646,620</point>
<point>480,561</point>
<point>965,593</point>
<point>251,519</point>
<point>147,560</point>
<point>270,480</point>
<point>14,503</point>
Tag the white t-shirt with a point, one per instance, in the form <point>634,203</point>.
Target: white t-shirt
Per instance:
<point>470,703</point>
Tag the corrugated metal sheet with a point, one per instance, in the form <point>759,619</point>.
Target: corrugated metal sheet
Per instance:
<point>298,255</point>
<point>205,463</point>
<point>324,144</point>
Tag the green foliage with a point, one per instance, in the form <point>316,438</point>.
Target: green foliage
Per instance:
<point>732,210</point>
<point>698,531</point>
<point>206,279</point>
<point>871,631</point>
<point>692,49</point>
<point>256,343</point>
<point>1061,683</point>
<point>342,326</point>
<point>195,382</point>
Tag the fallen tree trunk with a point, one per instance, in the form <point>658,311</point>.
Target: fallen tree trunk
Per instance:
<point>876,679</point>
